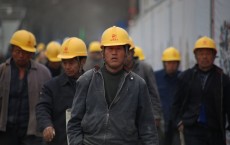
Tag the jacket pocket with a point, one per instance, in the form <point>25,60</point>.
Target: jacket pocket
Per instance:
<point>130,129</point>
<point>88,124</point>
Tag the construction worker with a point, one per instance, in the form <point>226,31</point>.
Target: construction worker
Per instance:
<point>21,80</point>
<point>53,63</point>
<point>112,105</point>
<point>202,98</point>
<point>95,56</point>
<point>57,94</point>
<point>166,79</point>
<point>138,52</point>
<point>145,71</point>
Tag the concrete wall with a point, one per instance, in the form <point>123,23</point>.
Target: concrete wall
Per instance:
<point>167,23</point>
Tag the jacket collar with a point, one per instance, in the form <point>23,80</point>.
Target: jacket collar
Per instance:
<point>98,69</point>
<point>33,65</point>
<point>64,79</point>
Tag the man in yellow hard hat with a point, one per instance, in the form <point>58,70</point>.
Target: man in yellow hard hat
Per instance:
<point>202,98</point>
<point>111,104</point>
<point>145,71</point>
<point>57,94</point>
<point>138,52</point>
<point>95,56</point>
<point>21,80</point>
<point>54,63</point>
<point>166,79</point>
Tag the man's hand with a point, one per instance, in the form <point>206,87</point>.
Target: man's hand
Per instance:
<point>181,127</point>
<point>48,133</point>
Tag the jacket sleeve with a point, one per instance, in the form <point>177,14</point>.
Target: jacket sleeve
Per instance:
<point>74,129</point>
<point>145,118</point>
<point>179,101</point>
<point>226,99</point>
<point>44,108</point>
<point>153,92</point>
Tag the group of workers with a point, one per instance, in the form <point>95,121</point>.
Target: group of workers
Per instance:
<point>115,97</point>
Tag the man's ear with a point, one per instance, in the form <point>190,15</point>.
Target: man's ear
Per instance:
<point>131,52</point>
<point>32,55</point>
<point>83,61</point>
<point>103,53</point>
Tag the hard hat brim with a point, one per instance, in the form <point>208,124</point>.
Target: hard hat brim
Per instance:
<point>70,56</point>
<point>28,49</point>
<point>54,59</point>
<point>197,48</point>
<point>113,44</point>
<point>25,48</point>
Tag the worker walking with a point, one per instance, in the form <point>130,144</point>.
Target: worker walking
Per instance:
<point>166,79</point>
<point>95,56</point>
<point>202,98</point>
<point>21,80</point>
<point>112,105</point>
<point>145,71</point>
<point>53,63</point>
<point>57,94</point>
<point>138,52</point>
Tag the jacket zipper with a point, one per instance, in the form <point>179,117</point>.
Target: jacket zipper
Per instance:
<point>108,108</point>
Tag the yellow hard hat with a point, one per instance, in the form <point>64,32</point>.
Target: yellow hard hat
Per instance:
<point>72,47</point>
<point>132,46</point>
<point>52,51</point>
<point>114,36</point>
<point>138,52</point>
<point>171,54</point>
<point>40,47</point>
<point>95,46</point>
<point>24,39</point>
<point>205,42</point>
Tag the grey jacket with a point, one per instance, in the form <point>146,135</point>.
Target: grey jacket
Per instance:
<point>127,119</point>
<point>37,76</point>
<point>145,71</point>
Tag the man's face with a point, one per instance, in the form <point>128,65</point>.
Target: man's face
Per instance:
<point>114,57</point>
<point>205,58</point>
<point>71,67</point>
<point>171,67</point>
<point>95,56</point>
<point>21,57</point>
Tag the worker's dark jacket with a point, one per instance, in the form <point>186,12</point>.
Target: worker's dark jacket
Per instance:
<point>56,96</point>
<point>127,119</point>
<point>215,98</point>
<point>145,71</point>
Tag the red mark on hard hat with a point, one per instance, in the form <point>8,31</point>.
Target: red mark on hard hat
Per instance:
<point>114,37</point>
<point>66,50</point>
<point>29,42</point>
<point>204,42</point>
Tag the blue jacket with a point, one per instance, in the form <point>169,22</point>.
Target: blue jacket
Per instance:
<point>166,87</point>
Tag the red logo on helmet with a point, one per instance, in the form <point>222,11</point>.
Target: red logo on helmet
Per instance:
<point>205,42</point>
<point>114,37</point>
<point>65,50</point>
